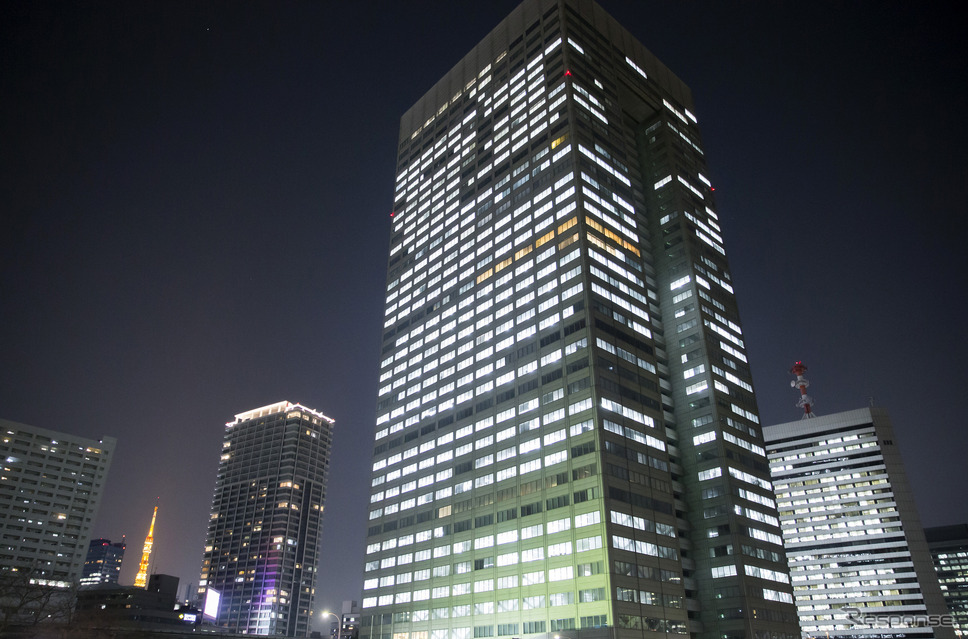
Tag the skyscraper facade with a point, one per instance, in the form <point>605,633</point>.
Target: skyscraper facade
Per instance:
<point>50,492</point>
<point>567,440</point>
<point>103,562</point>
<point>263,544</point>
<point>858,557</point>
<point>949,550</point>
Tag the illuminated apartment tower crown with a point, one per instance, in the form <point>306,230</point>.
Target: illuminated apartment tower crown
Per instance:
<point>567,439</point>
<point>263,545</point>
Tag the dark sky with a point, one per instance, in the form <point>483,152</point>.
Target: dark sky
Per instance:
<point>194,202</point>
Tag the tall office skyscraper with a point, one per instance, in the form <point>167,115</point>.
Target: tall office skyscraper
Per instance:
<point>50,491</point>
<point>852,532</point>
<point>262,549</point>
<point>103,562</point>
<point>949,550</point>
<point>567,438</point>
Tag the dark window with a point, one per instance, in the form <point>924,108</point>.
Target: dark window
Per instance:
<point>550,377</point>
<point>582,449</point>
<point>583,472</point>
<point>557,502</point>
<point>576,326</point>
<point>558,479</point>
<point>505,396</point>
<point>550,339</point>
<point>577,366</point>
<point>528,386</point>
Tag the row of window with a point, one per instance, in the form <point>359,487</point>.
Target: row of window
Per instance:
<point>437,340</point>
<point>420,365</point>
<point>486,541</point>
<point>511,558</point>
<point>525,447</point>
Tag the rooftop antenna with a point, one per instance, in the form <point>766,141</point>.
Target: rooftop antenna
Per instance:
<point>806,402</point>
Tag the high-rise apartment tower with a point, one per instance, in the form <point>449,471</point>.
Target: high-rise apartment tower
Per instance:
<point>567,441</point>
<point>50,492</point>
<point>262,549</point>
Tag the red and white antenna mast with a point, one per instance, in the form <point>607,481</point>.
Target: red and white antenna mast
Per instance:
<point>806,402</point>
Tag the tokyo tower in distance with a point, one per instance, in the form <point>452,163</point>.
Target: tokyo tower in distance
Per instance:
<point>141,581</point>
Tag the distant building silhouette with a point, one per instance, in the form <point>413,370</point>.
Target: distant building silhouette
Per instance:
<point>50,492</point>
<point>262,548</point>
<point>103,563</point>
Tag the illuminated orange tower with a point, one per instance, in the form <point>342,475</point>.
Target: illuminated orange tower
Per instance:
<point>141,581</point>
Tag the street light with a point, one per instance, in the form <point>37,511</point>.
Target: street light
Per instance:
<point>339,621</point>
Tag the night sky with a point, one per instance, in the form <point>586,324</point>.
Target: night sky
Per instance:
<point>194,217</point>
